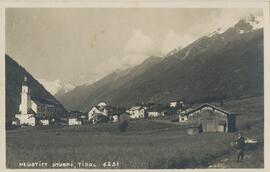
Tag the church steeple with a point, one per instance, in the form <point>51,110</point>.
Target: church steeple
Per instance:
<point>25,81</point>
<point>25,97</point>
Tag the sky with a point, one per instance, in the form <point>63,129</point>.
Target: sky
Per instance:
<point>82,45</point>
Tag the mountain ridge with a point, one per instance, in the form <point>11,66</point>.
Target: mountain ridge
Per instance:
<point>225,64</point>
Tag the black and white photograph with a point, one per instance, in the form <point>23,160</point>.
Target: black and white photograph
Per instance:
<point>135,87</point>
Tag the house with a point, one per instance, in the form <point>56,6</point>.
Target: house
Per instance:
<point>115,118</point>
<point>182,118</point>
<point>34,108</point>
<point>176,104</point>
<point>15,121</point>
<point>44,121</point>
<point>79,115</point>
<point>101,109</point>
<point>74,121</point>
<point>154,114</point>
<point>137,112</point>
<point>173,103</point>
<point>99,118</point>
<point>155,110</point>
<point>76,118</point>
<point>114,113</point>
<point>209,118</point>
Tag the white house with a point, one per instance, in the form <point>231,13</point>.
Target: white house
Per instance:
<point>27,119</point>
<point>173,104</point>
<point>183,118</point>
<point>15,121</point>
<point>137,112</point>
<point>44,121</point>
<point>101,108</point>
<point>155,114</point>
<point>115,118</point>
<point>32,108</point>
<point>74,121</point>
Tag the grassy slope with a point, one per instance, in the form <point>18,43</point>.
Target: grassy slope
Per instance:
<point>146,144</point>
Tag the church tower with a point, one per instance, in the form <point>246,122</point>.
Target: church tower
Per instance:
<point>25,98</point>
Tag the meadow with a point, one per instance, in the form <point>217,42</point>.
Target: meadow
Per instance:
<point>146,144</point>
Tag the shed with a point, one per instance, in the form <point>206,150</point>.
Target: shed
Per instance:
<point>211,118</point>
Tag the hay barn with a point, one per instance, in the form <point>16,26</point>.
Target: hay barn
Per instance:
<point>209,118</point>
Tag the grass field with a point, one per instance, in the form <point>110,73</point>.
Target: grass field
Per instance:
<point>146,144</point>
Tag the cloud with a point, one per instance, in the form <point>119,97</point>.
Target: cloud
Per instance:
<point>139,43</point>
<point>171,41</point>
<point>223,19</point>
<point>226,18</point>
<point>133,59</point>
<point>174,40</point>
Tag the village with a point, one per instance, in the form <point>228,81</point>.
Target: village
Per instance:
<point>36,111</point>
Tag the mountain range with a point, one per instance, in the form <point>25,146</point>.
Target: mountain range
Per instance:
<point>56,86</point>
<point>225,63</point>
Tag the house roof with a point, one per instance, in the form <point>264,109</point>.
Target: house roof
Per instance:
<point>99,108</point>
<point>42,101</point>
<point>135,108</point>
<point>208,105</point>
<point>102,104</point>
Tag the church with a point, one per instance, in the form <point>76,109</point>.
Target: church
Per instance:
<point>36,110</point>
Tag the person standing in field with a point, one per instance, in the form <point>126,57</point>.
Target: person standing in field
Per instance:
<point>240,145</point>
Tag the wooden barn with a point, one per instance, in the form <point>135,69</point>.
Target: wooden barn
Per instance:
<point>209,118</point>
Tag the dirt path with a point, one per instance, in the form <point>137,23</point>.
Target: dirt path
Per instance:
<point>252,159</point>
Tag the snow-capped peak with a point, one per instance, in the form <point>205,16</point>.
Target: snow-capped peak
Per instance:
<point>54,86</point>
<point>246,24</point>
<point>255,21</point>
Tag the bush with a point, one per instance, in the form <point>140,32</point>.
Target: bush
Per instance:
<point>123,126</point>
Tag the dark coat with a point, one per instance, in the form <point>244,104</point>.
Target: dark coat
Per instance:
<point>240,143</point>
